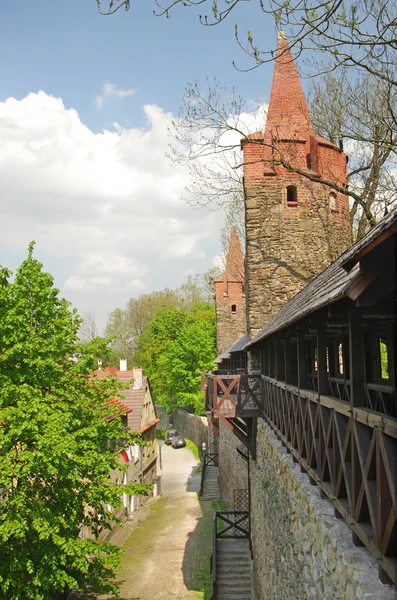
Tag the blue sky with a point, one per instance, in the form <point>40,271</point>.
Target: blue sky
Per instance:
<point>102,202</point>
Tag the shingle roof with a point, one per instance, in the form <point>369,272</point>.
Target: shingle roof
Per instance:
<point>331,285</point>
<point>239,345</point>
<point>222,356</point>
<point>134,399</point>
<point>117,402</point>
<point>374,237</point>
<point>122,375</point>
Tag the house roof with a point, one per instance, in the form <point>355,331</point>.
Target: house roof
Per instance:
<point>332,284</point>
<point>122,375</point>
<point>123,408</point>
<point>134,398</point>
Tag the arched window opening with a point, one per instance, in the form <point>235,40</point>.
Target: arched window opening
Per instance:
<point>234,309</point>
<point>332,201</point>
<point>292,195</point>
<point>308,161</point>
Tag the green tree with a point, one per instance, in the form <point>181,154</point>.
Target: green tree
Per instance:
<point>174,350</point>
<point>57,445</point>
<point>125,325</point>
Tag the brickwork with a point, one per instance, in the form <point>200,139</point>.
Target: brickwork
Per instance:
<point>230,297</point>
<point>294,226</point>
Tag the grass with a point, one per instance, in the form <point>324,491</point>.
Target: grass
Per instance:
<point>200,564</point>
<point>218,505</point>
<point>197,452</point>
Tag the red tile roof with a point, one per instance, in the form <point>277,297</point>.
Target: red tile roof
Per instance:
<point>117,402</point>
<point>122,375</point>
<point>149,426</point>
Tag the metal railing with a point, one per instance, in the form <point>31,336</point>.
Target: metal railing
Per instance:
<point>209,459</point>
<point>226,525</point>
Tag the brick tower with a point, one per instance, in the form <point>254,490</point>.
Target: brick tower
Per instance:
<point>230,297</point>
<point>296,224</point>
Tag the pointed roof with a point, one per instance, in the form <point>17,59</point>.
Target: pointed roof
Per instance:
<point>288,115</point>
<point>235,260</point>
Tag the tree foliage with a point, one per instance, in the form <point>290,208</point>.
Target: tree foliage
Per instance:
<point>57,444</point>
<point>126,324</point>
<point>358,113</point>
<point>174,350</point>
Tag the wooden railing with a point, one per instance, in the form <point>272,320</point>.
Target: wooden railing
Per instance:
<point>350,452</point>
<point>226,525</point>
<point>232,396</point>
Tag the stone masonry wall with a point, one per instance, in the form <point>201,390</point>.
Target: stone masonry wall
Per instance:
<point>230,325</point>
<point>190,426</point>
<point>287,245</point>
<point>233,469</point>
<point>301,550</point>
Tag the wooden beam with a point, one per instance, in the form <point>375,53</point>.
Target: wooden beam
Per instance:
<point>280,372</point>
<point>356,356</point>
<point>287,360</point>
<point>301,358</point>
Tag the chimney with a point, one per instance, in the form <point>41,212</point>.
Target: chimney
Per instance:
<point>137,371</point>
<point>123,364</point>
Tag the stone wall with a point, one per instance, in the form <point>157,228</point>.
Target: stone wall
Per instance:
<point>233,469</point>
<point>301,550</point>
<point>165,418</point>
<point>287,245</point>
<point>190,426</point>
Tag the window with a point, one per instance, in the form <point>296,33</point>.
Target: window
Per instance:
<point>340,359</point>
<point>308,161</point>
<point>332,201</point>
<point>234,309</point>
<point>292,195</point>
<point>384,358</point>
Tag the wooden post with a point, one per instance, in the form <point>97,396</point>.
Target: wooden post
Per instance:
<point>322,375</point>
<point>287,360</point>
<point>280,373</point>
<point>301,358</point>
<point>332,358</point>
<point>356,357</point>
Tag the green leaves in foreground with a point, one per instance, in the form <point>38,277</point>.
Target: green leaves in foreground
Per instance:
<point>174,350</point>
<point>56,450</point>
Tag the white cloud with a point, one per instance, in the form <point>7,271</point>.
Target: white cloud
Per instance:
<point>109,90</point>
<point>219,261</point>
<point>105,205</point>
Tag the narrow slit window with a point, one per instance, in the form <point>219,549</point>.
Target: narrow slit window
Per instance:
<point>234,309</point>
<point>384,358</point>
<point>340,359</point>
<point>292,195</point>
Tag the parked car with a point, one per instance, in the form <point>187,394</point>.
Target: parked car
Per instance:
<point>170,435</point>
<point>178,442</point>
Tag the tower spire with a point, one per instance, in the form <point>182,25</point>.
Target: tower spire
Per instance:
<point>234,270</point>
<point>288,115</point>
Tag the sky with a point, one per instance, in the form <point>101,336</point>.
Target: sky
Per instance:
<point>85,106</point>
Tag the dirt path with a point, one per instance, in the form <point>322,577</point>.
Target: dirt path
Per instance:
<point>167,554</point>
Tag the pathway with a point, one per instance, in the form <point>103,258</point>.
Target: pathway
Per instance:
<point>167,554</point>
